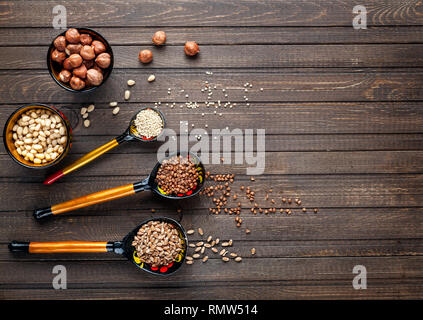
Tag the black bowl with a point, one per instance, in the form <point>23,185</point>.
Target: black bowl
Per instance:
<point>130,252</point>
<point>54,68</point>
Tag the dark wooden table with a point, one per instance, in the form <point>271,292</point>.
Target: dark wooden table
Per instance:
<point>343,113</point>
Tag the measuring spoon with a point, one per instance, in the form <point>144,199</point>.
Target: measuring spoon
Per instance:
<point>130,134</point>
<point>123,247</point>
<point>148,183</point>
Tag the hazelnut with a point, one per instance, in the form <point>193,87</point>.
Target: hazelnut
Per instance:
<point>60,43</point>
<point>67,65</point>
<point>80,72</point>
<point>88,63</point>
<point>85,39</point>
<point>98,46</point>
<point>159,38</point>
<point>103,60</point>
<point>191,48</point>
<point>58,56</point>
<point>65,76</point>
<point>73,48</point>
<point>72,35</point>
<point>75,60</point>
<point>77,83</point>
<point>145,56</point>
<point>94,77</point>
<point>87,52</point>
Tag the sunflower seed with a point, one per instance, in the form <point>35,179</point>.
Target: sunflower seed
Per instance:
<point>225,259</point>
<point>113,104</point>
<point>214,250</point>
<point>233,254</point>
<point>192,245</point>
<point>116,110</point>
<point>189,262</point>
<point>209,238</point>
<point>196,256</point>
<point>190,231</point>
<point>225,244</point>
<point>205,258</point>
<point>188,258</point>
<point>86,123</point>
<point>83,111</point>
<point>200,231</point>
<point>197,249</point>
<point>238,259</point>
<point>91,108</point>
<point>151,78</point>
<point>199,244</point>
<point>131,83</point>
<point>127,94</point>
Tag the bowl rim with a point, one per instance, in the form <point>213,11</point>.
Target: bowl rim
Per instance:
<point>68,134</point>
<point>49,65</point>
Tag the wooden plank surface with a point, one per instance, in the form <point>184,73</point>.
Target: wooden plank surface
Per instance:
<point>342,110</point>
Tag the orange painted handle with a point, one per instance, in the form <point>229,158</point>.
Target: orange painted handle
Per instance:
<point>67,246</point>
<point>94,198</point>
<point>82,161</point>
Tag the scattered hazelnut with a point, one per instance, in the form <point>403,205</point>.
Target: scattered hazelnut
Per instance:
<point>58,56</point>
<point>60,43</point>
<point>145,56</point>
<point>73,48</point>
<point>94,77</point>
<point>159,38</point>
<point>80,72</point>
<point>85,39</point>
<point>67,65</point>
<point>87,52</point>
<point>98,46</point>
<point>72,35</point>
<point>77,83</point>
<point>65,76</point>
<point>75,60</point>
<point>191,48</point>
<point>103,60</point>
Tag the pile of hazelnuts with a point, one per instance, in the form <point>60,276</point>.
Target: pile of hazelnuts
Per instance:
<point>191,48</point>
<point>81,58</point>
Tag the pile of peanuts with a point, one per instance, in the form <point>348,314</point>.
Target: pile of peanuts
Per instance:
<point>39,136</point>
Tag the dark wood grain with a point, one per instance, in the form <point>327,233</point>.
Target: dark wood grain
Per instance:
<point>212,13</point>
<point>342,110</point>
<point>243,56</point>
<point>216,35</point>
<point>277,87</point>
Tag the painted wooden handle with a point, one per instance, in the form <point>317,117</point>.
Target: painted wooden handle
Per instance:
<point>62,246</point>
<point>67,246</point>
<point>94,198</point>
<point>82,161</point>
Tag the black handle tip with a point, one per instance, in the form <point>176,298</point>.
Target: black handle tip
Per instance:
<point>42,213</point>
<point>19,246</point>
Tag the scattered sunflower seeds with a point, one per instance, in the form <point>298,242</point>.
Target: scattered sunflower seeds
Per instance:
<point>190,231</point>
<point>116,110</point>
<point>131,83</point>
<point>200,231</point>
<point>238,259</point>
<point>225,259</point>
<point>86,123</point>
<point>113,104</point>
<point>196,256</point>
<point>83,111</point>
<point>205,258</point>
